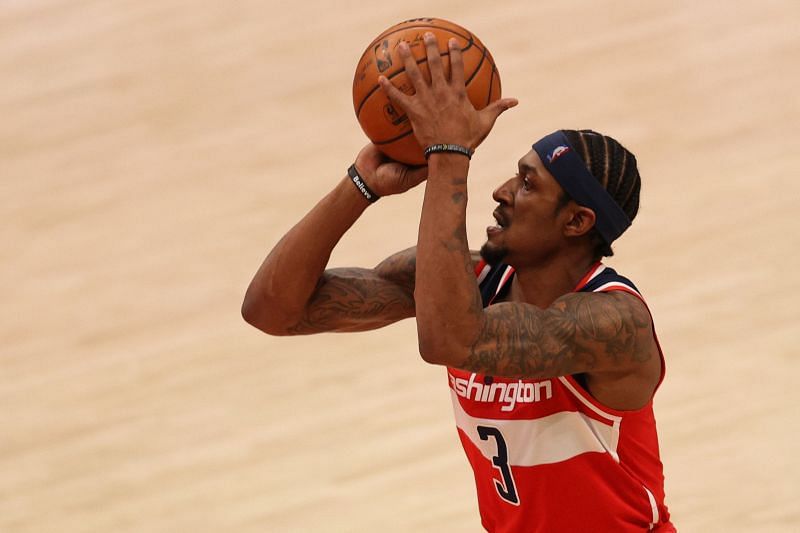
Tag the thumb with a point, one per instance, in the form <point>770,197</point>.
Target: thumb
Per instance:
<point>396,178</point>
<point>489,114</point>
<point>498,107</point>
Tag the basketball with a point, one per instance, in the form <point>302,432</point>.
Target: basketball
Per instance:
<point>387,126</point>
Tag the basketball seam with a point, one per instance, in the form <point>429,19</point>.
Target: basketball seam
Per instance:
<point>393,139</point>
<point>383,36</point>
<point>480,64</point>
<point>419,62</point>
<point>471,41</point>
<point>472,76</point>
<point>491,84</point>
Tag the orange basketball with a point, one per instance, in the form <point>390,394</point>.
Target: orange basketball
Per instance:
<point>389,127</point>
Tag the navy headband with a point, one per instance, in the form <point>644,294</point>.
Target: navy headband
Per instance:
<point>569,170</point>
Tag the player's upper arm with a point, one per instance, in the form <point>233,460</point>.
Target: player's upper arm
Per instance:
<point>578,333</point>
<point>361,299</point>
<point>353,299</point>
<point>401,268</point>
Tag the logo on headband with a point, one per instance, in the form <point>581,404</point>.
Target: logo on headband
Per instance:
<point>557,152</point>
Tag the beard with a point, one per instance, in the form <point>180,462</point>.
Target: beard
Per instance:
<point>493,254</point>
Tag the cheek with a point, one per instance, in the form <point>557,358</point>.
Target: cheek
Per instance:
<point>533,231</point>
<point>532,217</point>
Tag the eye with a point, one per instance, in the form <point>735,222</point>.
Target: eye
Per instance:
<point>526,183</point>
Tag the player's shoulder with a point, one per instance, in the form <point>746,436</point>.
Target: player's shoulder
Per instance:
<point>605,290</point>
<point>614,306</point>
<point>606,279</point>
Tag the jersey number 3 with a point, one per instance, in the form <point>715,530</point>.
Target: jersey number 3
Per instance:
<point>506,489</point>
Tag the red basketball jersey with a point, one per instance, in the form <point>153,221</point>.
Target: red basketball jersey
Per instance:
<point>547,456</point>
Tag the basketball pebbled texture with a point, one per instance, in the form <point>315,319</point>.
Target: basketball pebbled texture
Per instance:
<point>387,126</point>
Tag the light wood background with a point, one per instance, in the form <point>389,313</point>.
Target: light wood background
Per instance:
<point>151,153</point>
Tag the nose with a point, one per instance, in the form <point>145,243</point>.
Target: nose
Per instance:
<point>504,194</point>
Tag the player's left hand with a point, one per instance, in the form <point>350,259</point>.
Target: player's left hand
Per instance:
<point>440,111</point>
<point>385,176</point>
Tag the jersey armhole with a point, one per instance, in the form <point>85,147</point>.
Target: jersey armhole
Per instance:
<point>616,286</point>
<point>621,287</point>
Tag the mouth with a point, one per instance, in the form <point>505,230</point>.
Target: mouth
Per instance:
<point>501,222</point>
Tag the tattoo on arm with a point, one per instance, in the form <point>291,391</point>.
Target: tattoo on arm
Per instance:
<point>459,197</point>
<point>580,332</point>
<point>457,244</point>
<point>400,268</point>
<point>354,299</point>
<point>358,299</point>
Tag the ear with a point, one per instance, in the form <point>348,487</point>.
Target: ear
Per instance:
<point>580,223</point>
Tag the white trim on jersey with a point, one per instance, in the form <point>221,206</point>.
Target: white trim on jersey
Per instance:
<point>653,506</point>
<point>618,285</point>
<point>600,268</point>
<point>506,274</point>
<point>615,420</point>
<point>484,272</point>
<point>603,288</point>
<point>558,437</point>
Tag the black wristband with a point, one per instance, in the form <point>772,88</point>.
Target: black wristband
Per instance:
<point>450,148</point>
<point>358,181</point>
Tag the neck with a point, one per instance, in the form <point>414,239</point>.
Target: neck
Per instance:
<point>543,284</point>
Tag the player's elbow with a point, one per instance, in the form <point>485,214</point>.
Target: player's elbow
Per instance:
<point>255,312</point>
<point>438,351</point>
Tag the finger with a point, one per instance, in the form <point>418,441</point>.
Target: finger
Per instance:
<point>456,64</point>
<point>434,59</point>
<point>498,107</point>
<point>490,113</point>
<point>395,95</point>
<point>411,67</point>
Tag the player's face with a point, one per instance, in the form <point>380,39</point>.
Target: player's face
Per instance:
<point>529,217</point>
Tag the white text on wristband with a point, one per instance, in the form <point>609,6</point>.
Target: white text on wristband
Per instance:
<point>358,181</point>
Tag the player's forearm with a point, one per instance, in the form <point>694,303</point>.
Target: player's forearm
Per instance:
<point>448,302</point>
<point>284,283</point>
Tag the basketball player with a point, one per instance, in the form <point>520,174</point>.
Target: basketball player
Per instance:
<point>551,356</point>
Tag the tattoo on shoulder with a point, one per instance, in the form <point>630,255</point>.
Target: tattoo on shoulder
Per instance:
<point>580,332</point>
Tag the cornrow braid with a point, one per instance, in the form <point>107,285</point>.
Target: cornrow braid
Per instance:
<point>615,168</point>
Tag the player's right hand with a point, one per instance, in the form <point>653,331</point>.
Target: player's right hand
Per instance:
<point>386,176</point>
<point>439,110</point>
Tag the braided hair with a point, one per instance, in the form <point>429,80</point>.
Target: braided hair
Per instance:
<point>615,167</point>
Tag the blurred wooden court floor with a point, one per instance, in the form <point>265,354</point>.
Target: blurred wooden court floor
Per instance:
<point>152,152</point>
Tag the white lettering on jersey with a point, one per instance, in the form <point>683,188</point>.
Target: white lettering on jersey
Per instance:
<point>507,393</point>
